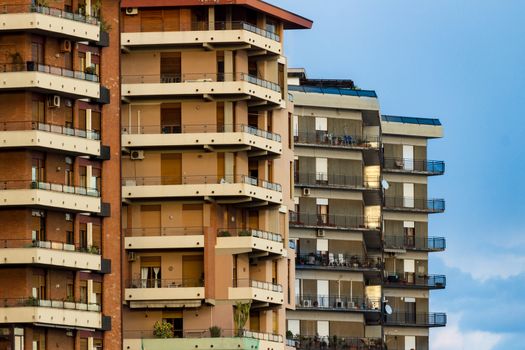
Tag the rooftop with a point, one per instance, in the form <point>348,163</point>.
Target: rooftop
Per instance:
<point>331,90</point>
<point>410,120</point>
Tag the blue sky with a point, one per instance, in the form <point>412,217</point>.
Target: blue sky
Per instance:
<point>462,61</point>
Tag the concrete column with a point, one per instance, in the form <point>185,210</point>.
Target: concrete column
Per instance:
<point>229,68</point>
<point>211,18</point>
<point>228,117</point>
<point>89,234</point>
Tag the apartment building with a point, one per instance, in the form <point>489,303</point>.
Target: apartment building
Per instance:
<point>59,198</point>
<point>360,225</point>
<point>407,240</point>
<point>207,168</point>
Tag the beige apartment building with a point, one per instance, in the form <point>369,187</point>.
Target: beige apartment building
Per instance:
<point>59,198</point>
<point>207,173</point>
<point>360,225</point>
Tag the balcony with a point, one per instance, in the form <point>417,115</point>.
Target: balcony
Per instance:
<point>414,166</point>
<point>393,280</point>
<point>214,36</point>
<point>336,181</point>
<point>410,319</point>
<point>190,339</point>
<point>163,293</point>
<point>26,193</point>
<point>418,205</point>
<point>322,138</point>
<point>336,303</point>
<point>51,312</point>
<point>164,238</point>
<point>43,136</point>
<point>47,253</point>
<point>208,86</point>
<point>403,243</point>
<point>334,222</point>
<point>258,242</point>
<point>207,137</point>
<point>337,262</point>
<point>257,291</point>
<point>336,342</point>
<point>228,189</point>
<point>47,79</point>
<point>48,21</point>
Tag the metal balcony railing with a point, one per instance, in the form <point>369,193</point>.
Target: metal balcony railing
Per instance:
<point>205,333</point>
<point>415,243</point>
<point>426,281</point>
<point>55,304</point>
<point>31,66</point>
<point>337,261</point>
<point>164,231</point>
<point>164,283</point>
<point>417,204</point>
<point>249,232</point>
<point>335,180</point>
<point>46,10</point>
<point>417,319</point>
<point>199,180</point>
<point>432,167</point>
<point>336,342</point>
<point>199,128</point>
<point>62,246</point>
<point>240,283</point>
<point>47,186</point>
<point>325,138</point>
<point>329,221</point>
<point>52,128</point>
<point>338,303</point>
<point>198,78</point>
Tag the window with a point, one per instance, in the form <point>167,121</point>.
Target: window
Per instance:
<point>150,272</point>
<point>69,173</point>
<point>97,290</point>
<point>37,50</point>
<point>70,229</point>
<point>69,123</point>
<point>39,339</point>
<point>96,234</point>
<point>96,180</point>
<point>82,172</point>
<point>38,109</point>
<point>321,170</point>
<point>83,292</point>
<point>177,323</point>
<point>38,170</point>
<point>38,230</point>
<point>322,211</point>
<point>83,236</point>
<point>96,123</point>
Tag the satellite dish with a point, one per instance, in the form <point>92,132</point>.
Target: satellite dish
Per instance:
<point>385,184</point>
<point>388,309</point>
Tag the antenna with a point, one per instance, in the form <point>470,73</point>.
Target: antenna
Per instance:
<point>385,184</point>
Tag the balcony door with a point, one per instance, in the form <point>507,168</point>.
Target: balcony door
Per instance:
<point>150,220</point>
<point>38,110</point>
<point>171,119</point>
<point>150,272</point>
<point>322,211</point>
<point>192,270</point>
<point>171,68</point>
<point>171,168</point>
<point>38,169</point>
<point>38,229</point>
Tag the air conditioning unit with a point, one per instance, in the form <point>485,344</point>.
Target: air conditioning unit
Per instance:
<point>53,101</point>
<point>137,155</point>
<point>320,232</point>
<point>131,256</point>
<point>307,303</point>
<point>339,304</point>
<point>306,191</point>
<point>65,46</point>
<point>131,11</point>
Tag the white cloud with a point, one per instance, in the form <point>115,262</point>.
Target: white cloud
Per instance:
<point>451,337</point>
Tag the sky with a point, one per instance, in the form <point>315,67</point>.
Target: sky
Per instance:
<point>462,61</point>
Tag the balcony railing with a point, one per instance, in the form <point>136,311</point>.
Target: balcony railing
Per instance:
<point>433,167</point>
<point>336,342</point>
<point>45,10</point>
<point>199,128</point>
<point>198,78</point>
<point>329,221</point>
<point>58,304</point>
<point>337,261</point>
<point>324,138</point>
<point>46,186</point>
<point>417,319</point>
<point>164,231</point>
<point>249,232</point>
<point>415,243</point>
<point>243,283</point>
<point>205,333</point>
<point>164,283</point>
<point>335,180</point>
<point>336,303</point>
<point>52,128</point>
<point>427,281</point>
<point>418,204</point>
<point>31,66</point>
<point>199,180</point>
<point>30,243</point>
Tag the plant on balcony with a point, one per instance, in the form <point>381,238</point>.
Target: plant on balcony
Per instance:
<point>289,334</point>
<point>93,250</point>
<point>244,233</point>
<point>224,234</point>
<point>240,316</point>
<point>43,3</point>
<point>90,70</point>
<point>31,301</point>
<point>69,299</point>
<point>215,331</point>
<point>163,330</point>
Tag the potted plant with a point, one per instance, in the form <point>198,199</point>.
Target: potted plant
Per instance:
<point>163,330</point>
<point>224,234</point>
<point>242,312</point>
<point>90,70</point>
<point>215,331</point>
<point>69,302</point>
<point>31,301</point>
<point>244,233</point>
<point>289,334</point>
